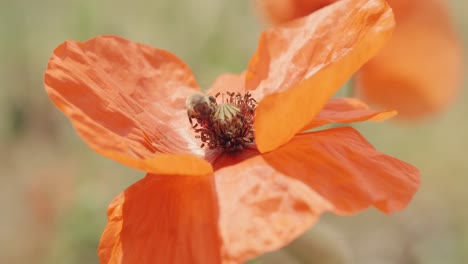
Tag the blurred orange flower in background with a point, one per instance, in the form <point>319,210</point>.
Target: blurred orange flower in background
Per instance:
<point>202,205</point>
<point>418,72</point>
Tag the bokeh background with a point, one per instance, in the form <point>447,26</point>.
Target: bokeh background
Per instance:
<point>54,190</point>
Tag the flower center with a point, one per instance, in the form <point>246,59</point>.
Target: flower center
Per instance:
<point>227,125</point>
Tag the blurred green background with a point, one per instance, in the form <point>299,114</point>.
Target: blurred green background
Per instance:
<point>54,190</point>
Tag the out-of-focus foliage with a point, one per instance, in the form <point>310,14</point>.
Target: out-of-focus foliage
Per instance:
<point>54,190</point>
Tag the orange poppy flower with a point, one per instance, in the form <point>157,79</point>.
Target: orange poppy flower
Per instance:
<point>260,180</point>
<point>418,72</point>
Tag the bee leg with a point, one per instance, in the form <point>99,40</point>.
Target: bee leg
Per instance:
<point>190,120</point>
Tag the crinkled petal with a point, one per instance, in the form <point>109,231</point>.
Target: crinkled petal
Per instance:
<point>125,99</point>
<point>342,167</point>
<point>229,82</point>
<point>300,65</point>
<point>261,209</point>
<point>347,110</point>
<point>266,200</point>
<point>280,11</point>
<point>163,219</point>
<point>419,72</point>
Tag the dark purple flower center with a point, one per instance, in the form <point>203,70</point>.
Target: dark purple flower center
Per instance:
<point>225,122</point>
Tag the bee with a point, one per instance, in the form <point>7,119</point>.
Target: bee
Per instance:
<point>200,107</point>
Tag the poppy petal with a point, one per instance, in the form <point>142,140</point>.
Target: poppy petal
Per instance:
<point>163,219</point>
<point>228,82</point>
<point>300,65</point>
<point>419,72</point>
<point>261,209</point>
<point>347,110</point>
<point>341,166</point>
<point>280,11</point>
<point>125,99</point>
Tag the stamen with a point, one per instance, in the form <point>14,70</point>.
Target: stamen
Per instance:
<point>227,125</point>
